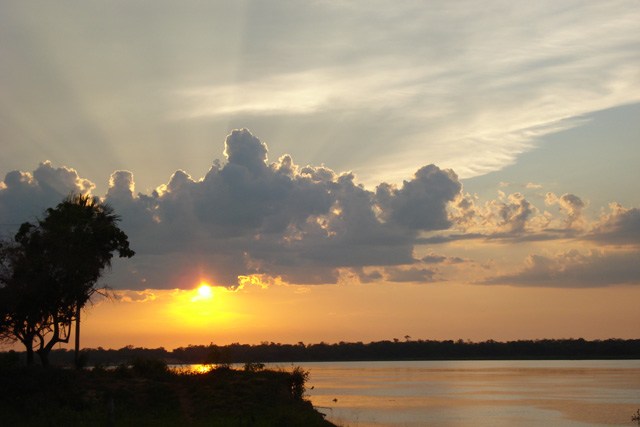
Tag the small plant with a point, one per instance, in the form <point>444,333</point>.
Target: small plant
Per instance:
<point>636,417</point>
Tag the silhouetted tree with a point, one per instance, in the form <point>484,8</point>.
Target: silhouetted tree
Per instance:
<point>51,271</point>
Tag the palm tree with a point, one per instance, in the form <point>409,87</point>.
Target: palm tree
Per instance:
<point>84,235</point>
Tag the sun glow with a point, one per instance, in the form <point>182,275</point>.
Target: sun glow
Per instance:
<point>203,307</point>
<point>204,292</point>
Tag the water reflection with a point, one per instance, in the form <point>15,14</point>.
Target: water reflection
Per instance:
<point>559,393</point>
<point>195,368</point>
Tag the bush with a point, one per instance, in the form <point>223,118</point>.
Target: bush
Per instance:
<point>297,381</point>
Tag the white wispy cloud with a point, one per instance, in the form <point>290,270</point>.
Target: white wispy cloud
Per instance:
<point>469,86</point>
<point>465,85</point>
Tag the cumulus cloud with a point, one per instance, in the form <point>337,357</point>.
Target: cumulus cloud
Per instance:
<point>25,195</point>
<point>513,217</point>
<point>571,205</point>
<point>620,226</point>
<point>573,269</point>
<point>121,186</point>
<point>303,224</point>
<point>276,220</point>
<point>510,216</point>
<point>514,213</point>
<point>418,203</point>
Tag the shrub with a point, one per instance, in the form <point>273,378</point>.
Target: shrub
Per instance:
<point>297,381</point>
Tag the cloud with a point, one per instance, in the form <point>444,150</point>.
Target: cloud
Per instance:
<point>507,216</point>
<point>121,186</point>
<point>515,213</point>
<point>514,218</point>
<point>134,296</point>
<point>472,100</point>
<point>472,86</point>
<point>440,259</point>
<point>26,195</point>
<point>620,226</point>
<point>249,216</point>
<point>418,203</point>
<point>281,221</point>
<point>572,205</point>
<point>421,275</point>
<point>573,269</point>
<point>367,276</point>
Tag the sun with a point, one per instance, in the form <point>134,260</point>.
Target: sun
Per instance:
<point>204,292</point>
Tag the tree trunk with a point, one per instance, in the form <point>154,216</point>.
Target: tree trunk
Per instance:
<point>76,356</point>
<point>45,349</point>
<point>29,347</point>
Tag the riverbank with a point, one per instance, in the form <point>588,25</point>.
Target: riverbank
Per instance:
<point>149,394</point>
<point>395,350</point>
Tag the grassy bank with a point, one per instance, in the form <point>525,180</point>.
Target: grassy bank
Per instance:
<point>149,394</point>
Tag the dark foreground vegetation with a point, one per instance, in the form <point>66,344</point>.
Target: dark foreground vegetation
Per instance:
<point>380,350</point>
<point>147,393</point>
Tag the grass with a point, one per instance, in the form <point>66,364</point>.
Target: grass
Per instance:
<point>149,394</point>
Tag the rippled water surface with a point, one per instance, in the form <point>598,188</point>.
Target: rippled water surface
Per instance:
<point>476,393</point>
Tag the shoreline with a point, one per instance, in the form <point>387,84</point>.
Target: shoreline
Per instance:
<point>149,393</point>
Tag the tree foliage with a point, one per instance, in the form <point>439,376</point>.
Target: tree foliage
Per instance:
<point>51,269</point>
<point>270,352</point>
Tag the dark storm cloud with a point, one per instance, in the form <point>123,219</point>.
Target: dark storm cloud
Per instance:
<point>249,216</point>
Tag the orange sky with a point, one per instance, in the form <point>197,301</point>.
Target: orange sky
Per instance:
<point>362,312</point>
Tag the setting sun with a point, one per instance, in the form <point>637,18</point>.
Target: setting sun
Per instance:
<point>204,292</point>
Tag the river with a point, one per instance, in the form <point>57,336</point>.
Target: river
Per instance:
<point>475,393</point>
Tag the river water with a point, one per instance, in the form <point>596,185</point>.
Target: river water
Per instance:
<point>476,393</point>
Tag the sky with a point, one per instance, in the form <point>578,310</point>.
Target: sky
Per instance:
<point>336,171</point>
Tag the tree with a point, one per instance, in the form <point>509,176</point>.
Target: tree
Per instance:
<point>21,306</point>
<point>50,272</point>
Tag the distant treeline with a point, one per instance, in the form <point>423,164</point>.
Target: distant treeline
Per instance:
<point>358,351</point>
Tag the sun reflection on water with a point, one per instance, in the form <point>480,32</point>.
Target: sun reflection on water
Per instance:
<point>195,368</point>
